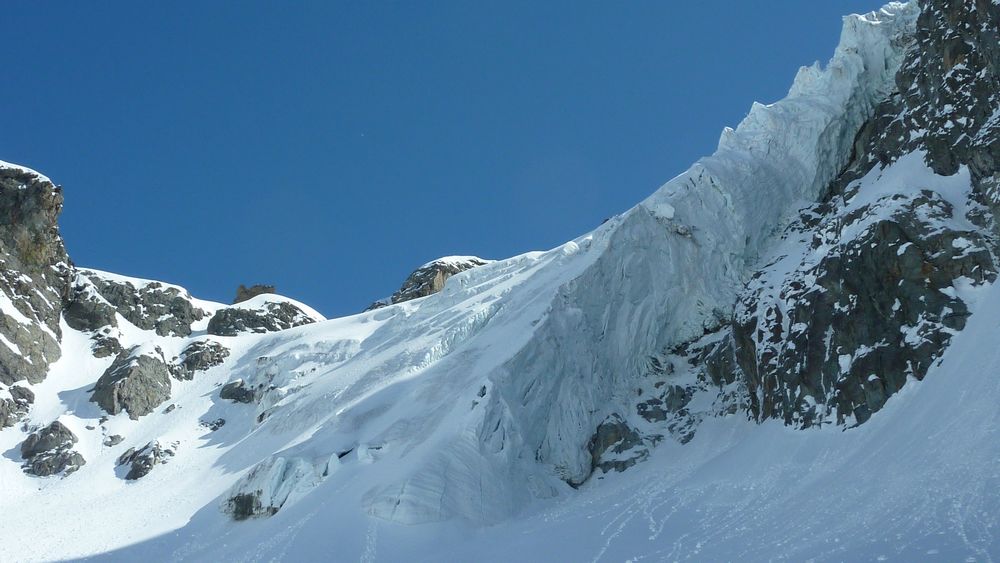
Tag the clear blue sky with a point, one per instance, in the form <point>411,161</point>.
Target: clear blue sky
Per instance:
<point>331,147</point>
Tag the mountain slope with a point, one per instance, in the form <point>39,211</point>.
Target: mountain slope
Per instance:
<point>772,349</point>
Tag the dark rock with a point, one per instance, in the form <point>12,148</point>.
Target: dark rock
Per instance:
<point>269,317</point>
<point>87,310</point>
<point>135,382</point>
<point>106,345</point>
<point>142,461</point>
<point>244,293</point>
<point>199,356</point>
<point>49,451</point>
<point>113,440</point>
<point>213,425</point>
<point>238,392</point>
<point>15,408</point>
<point>170,408</point>
<point>429,279</point>
<point>243,506</point>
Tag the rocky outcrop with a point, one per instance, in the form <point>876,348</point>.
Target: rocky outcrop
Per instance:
<point>163,308</point>
<point>140,462</point>
<point>256,316</point>
<point>199,356</point>
<point>87,310</point>
<point>429,279</point>
<point>14,408</point>
<point>34,272</point>
<point>136,382</point>
<point>244,293</point>
<point>49,451</point>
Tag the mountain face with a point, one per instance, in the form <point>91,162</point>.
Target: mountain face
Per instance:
<point>787,351</point>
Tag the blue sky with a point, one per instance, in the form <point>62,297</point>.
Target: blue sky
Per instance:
<point>332,147</point>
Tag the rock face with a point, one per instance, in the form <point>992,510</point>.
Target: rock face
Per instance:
<point>429,279</point>
<point>49,451</point>
<point>137,382</point>
<point>34,273</point>
<point>140,462</point>
<point>150,306</point>
<point>199,356</point>
<point>262,316</point>
<point>244,293</point>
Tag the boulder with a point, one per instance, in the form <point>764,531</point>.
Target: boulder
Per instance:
<point>136,382</point>
<point>49,451</point>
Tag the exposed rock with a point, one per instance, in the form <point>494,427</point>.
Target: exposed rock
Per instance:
<point>155,306</point>
<point>263,316</point>
<point>213,425</point>
<point>49,451</point>
<point>34,273</point>
<point>616,446</point>
<point>113,440</point>
<point>244,293</point>
<point>429,279</point>
<point>105,345</point>
<point>238,392</point>
<point>13,409</point>
<point>199,356</point>
<point>136,382</point>
<point>142,461</point>
<point>86,309</point>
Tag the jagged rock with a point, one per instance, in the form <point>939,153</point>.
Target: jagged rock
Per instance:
<point>113,440</point>
<point>150,305</point>
<point>49,451</point>
<point>142,461</point>
<point>266,316</point>
<point>34,274</point>
<point>238,392</point>
<point>429,279</point>
<point>136,382</point>
<point>199,356</point>
<point>244,293</point>
<point>12,410</point>
<point>616,446</point>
